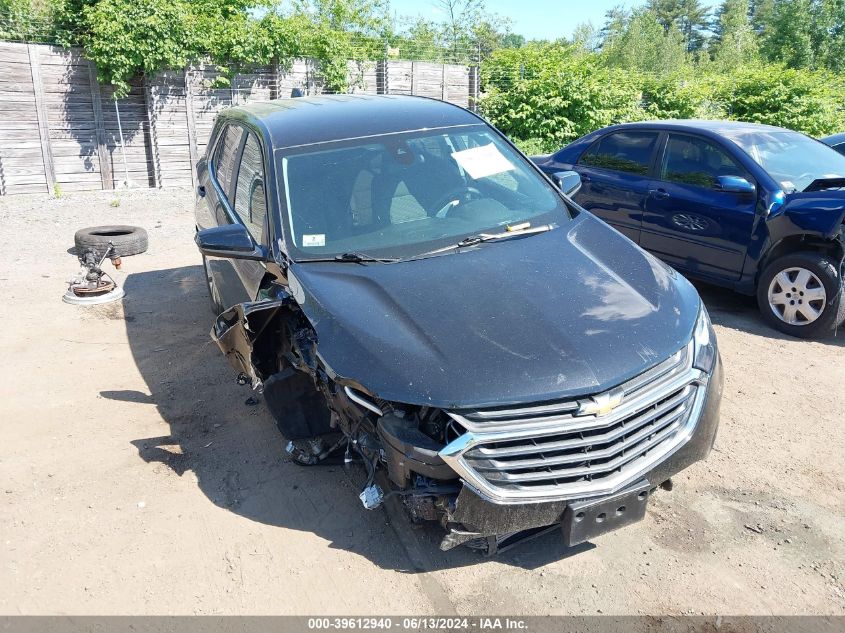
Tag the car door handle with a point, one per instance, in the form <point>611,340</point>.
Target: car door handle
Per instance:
<point>201,191</point>
<point>660,194</point>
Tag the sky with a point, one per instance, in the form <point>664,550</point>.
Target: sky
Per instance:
<point>535,19</point>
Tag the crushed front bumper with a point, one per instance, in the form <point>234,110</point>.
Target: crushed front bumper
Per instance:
<point>482,518</point>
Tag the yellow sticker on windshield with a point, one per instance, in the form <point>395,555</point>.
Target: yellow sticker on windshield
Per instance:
<point>483,161</point>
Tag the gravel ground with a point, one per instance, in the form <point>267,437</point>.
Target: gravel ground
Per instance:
<point>137,479</point>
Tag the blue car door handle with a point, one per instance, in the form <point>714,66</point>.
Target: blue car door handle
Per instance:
<point>658,193</point>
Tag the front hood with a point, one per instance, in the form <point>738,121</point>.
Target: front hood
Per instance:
<point>818,212</point>
<point>573,311</point>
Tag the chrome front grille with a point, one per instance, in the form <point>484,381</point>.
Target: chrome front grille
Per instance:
<point>581,447</point>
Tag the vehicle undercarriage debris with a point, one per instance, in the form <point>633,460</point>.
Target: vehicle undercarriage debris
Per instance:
<point>92,285</point>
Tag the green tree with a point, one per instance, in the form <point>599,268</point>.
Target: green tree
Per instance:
<point>690,17</point>
<point>20,20</point>
<point>488,34</point>
<point>644,44</point>
<point>734,42</point>
<point>422,41</point>
<point>358,16</point>
<point>586,37</point>
<point>460,17</point>
<point>761,14</point>
<point>787,34</point>
<point>828,34</point>
<point>513,40</point>
<point>125,37</point>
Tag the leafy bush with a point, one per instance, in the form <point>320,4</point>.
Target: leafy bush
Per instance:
<point>559,99</point>
<point>812,102</point>
<point>131,36</point>
<point>544,97</point>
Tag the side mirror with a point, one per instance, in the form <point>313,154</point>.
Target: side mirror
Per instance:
<point>569,182</point>
<point>231,241</point>
<point>735,184</point>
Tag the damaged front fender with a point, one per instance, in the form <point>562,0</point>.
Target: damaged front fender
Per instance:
<point>270,344</point>
<point>239,333</point>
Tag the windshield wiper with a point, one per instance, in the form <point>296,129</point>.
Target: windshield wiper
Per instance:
<point>472,240</point>
<point>352,258</point>
<point>361,258</point>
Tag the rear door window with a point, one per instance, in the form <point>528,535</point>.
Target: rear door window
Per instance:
<point>630,152</point>
<point>225,157</point>
<point>689,160</point>
<point>250,199</point>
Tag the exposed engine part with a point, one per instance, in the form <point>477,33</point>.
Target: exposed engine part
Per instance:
<point>92,285</point>
<point>364,402</point>
<point>410,452</point>
<point>421,508</point>
<point>372,496</point>
<point>311,451</point>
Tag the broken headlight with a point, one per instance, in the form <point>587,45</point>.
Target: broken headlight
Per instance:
<point>704,342</point>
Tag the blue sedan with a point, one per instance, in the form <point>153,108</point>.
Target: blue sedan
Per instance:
<point>836,141</point>
<point>754,208</point>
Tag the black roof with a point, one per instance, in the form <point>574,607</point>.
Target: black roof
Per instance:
<point>309,120</point>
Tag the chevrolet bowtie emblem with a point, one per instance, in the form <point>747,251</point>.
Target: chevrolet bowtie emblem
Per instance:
<point>601,404</point>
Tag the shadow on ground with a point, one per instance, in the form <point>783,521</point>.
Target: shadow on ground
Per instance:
<point>236,452</point>
<point>740,312</point>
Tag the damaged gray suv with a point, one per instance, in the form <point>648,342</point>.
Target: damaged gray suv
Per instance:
<point>408,291</point>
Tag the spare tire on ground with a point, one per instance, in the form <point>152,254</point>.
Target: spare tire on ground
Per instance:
<point>127,240</point>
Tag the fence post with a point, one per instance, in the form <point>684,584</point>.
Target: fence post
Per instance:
<point>474,87</point>
<point>99,126</point>
<point>192,130</point>
<point>41,113</point>
<point>150,100</point>
<point>274,87</point>
<point>444,90</point>
<point>382,70</point>
<point>414,78</point>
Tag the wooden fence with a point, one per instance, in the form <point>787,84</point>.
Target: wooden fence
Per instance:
<point>60,128</point>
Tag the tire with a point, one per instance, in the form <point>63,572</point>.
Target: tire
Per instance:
<point>127,240</point>
<point>213,296</point>
<point>786,283</point>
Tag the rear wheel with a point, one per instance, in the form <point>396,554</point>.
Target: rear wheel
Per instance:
<point>800,294</point>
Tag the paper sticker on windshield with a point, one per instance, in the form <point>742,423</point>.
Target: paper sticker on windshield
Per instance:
<point>313,240</point>
<point>483,161</point>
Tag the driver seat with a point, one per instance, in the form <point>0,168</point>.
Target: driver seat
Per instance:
<point>403,193</point>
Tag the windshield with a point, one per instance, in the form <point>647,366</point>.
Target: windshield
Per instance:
<point>403,195</point>
<point>794,160</point>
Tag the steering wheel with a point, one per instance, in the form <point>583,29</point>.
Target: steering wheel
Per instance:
<point>454,198</point>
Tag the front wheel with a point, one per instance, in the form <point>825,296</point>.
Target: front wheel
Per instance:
<point>800,294</point>
<point>214,296</point>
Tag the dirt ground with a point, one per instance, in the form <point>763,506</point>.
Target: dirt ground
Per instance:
<point>137,478</point>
